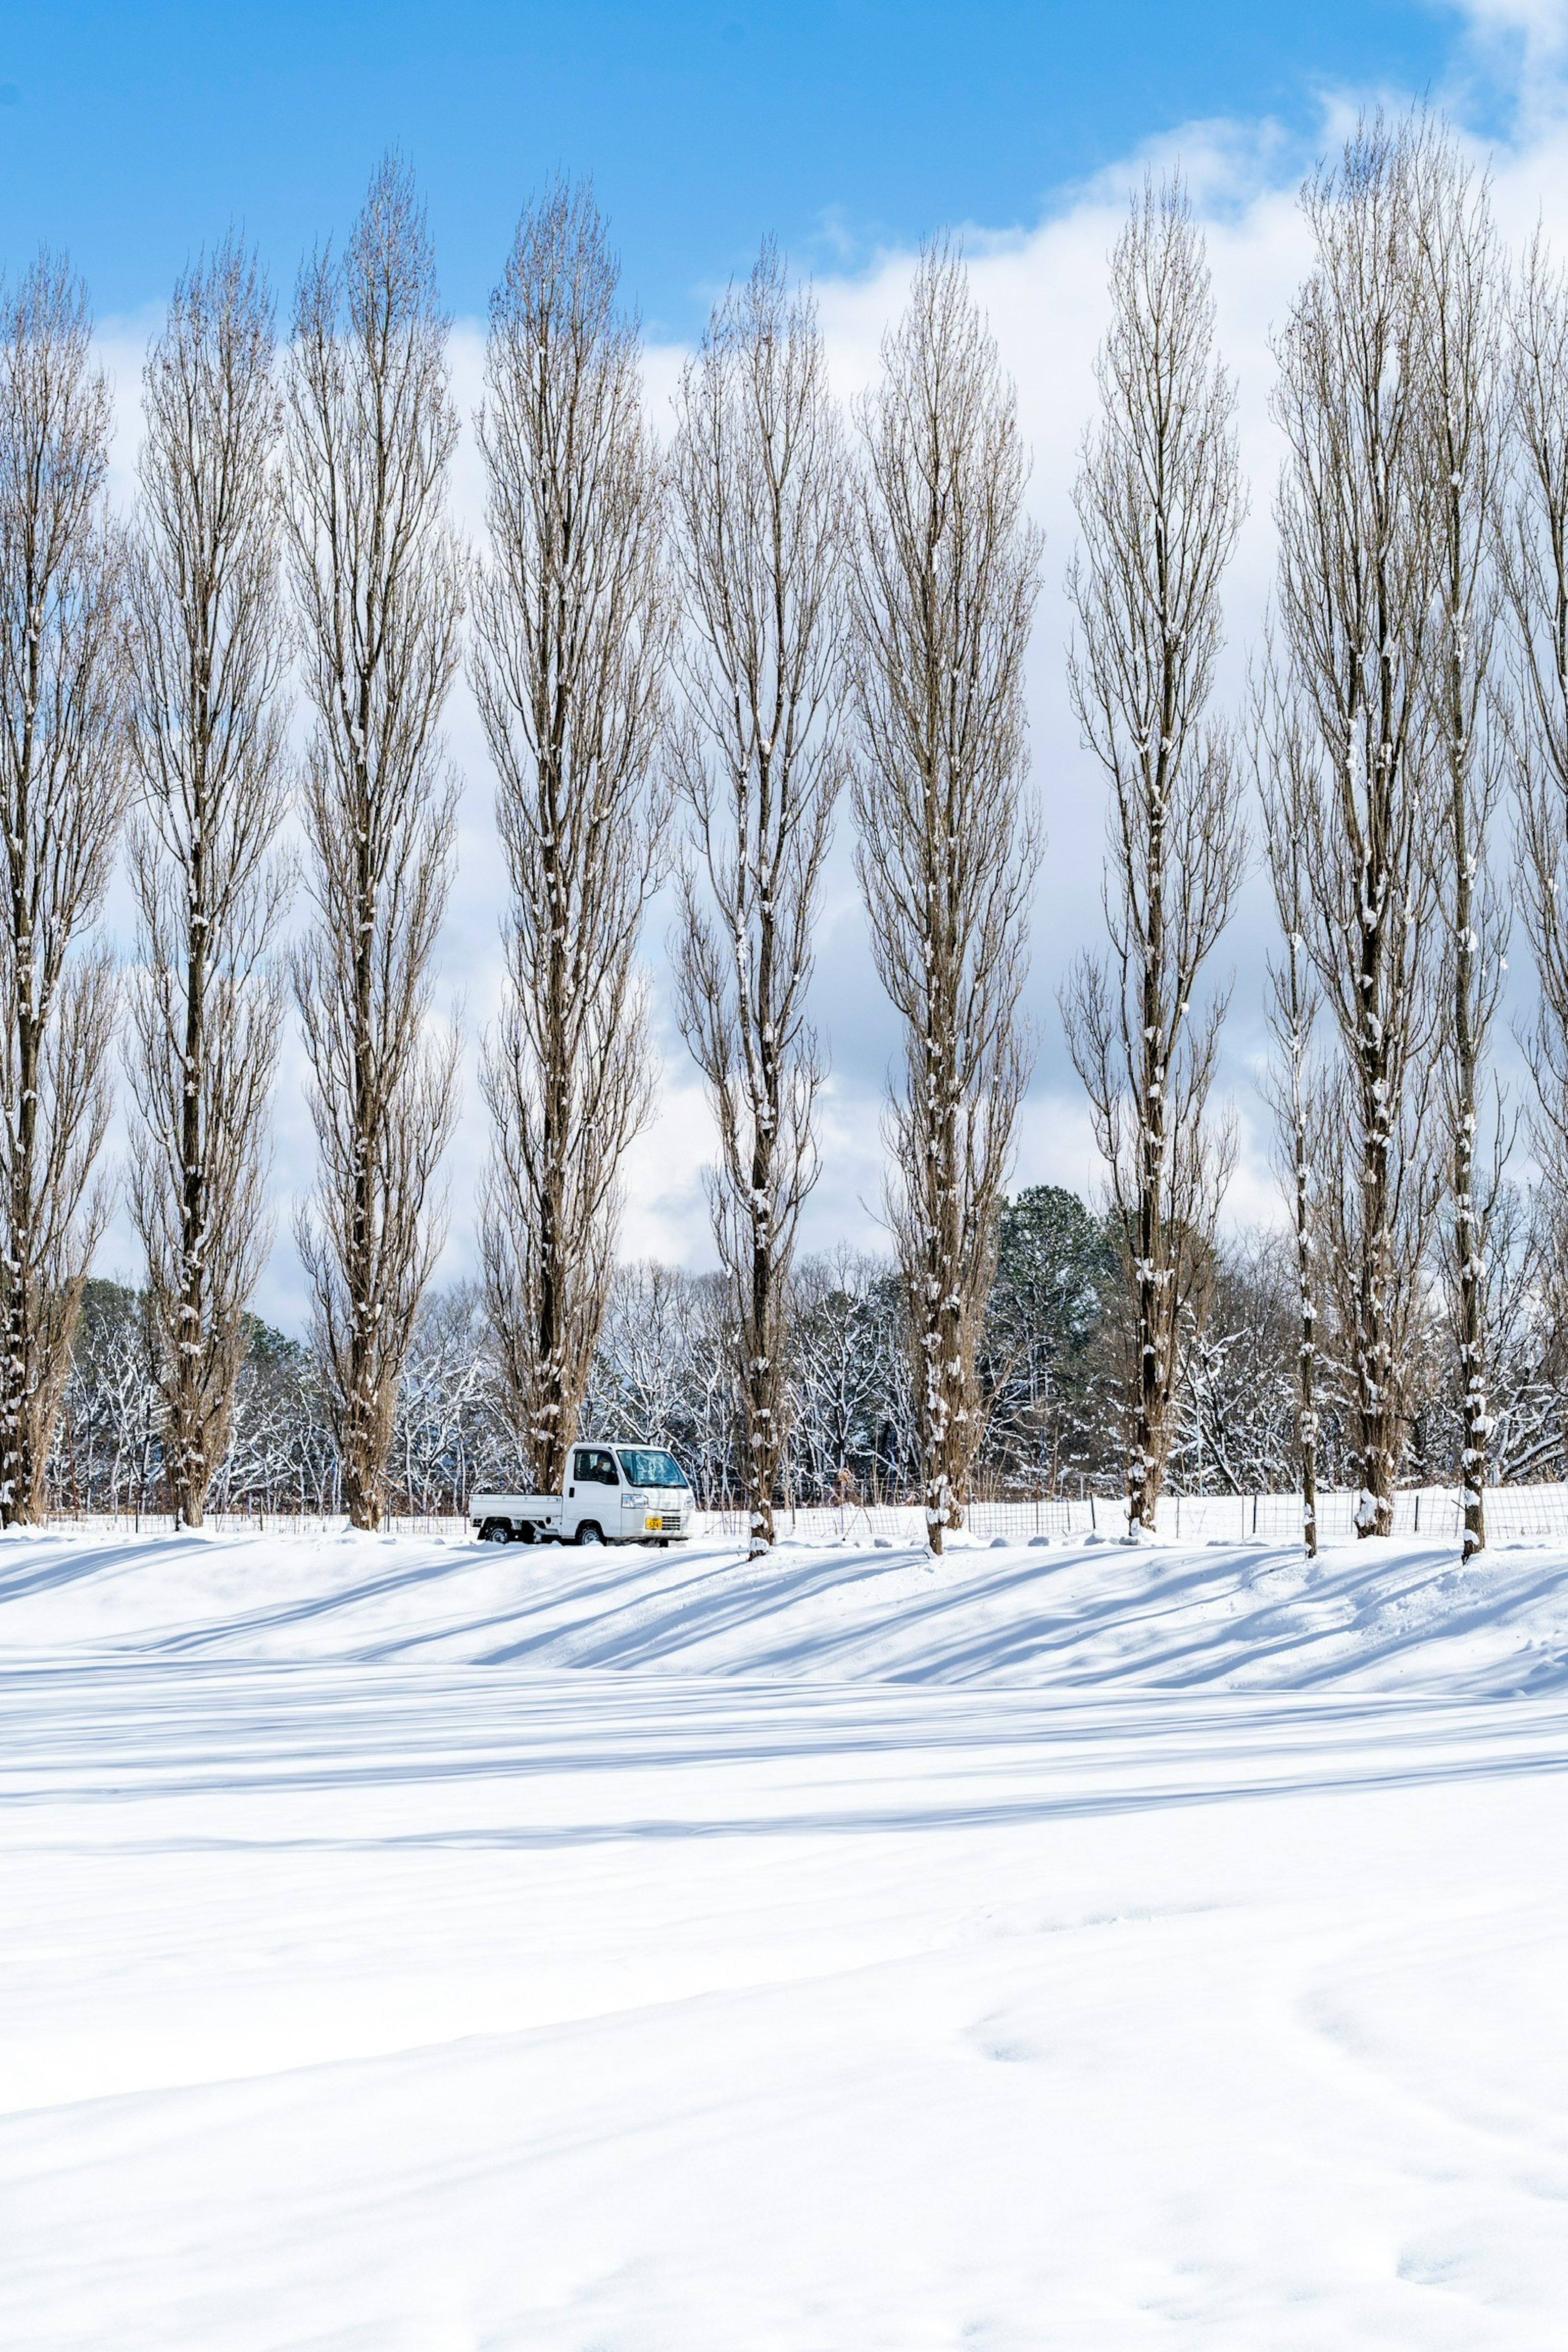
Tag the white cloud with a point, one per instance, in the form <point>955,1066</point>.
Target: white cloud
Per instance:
<point>1526,37</point>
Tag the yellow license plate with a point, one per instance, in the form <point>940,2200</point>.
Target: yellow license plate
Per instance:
<point>656,1526</point>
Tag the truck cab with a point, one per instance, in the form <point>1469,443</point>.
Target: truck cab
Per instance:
<point>613,1493</point>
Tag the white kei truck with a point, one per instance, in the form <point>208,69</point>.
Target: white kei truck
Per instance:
<point>611,1494</point>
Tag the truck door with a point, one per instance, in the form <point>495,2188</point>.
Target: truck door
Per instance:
<point>593,1481</point>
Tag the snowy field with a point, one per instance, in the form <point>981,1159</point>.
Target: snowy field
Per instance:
<point>408,1945</point>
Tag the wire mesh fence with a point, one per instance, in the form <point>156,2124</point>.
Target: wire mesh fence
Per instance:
<point>1514,1514</point>
<point>268,1523</point>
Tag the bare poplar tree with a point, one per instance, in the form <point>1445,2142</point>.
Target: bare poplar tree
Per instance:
<point>371,430</point>
<point>944,587</point>
<point>208,654</point>
<point>761,501</point>
<point>1159,503</point>
<point>1465,433</point>
<point>63,783</point>
<point>1536,566</point>
<point>1356,582</point>
<point>1283,767</point>
<point>572,633</point>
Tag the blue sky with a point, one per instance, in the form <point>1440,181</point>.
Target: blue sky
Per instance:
<point>131,133</point>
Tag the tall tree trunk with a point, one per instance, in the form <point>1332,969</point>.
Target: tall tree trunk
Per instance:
<point>1159,504</point>
<point>1282,764</point>
<point>1354,518</point>
<point>1307,1351</point>
<point>944,582</point>
<point>62,794</point>
<point>573,629</point>
<point>371,432</point>
<point>209,738</point>
<point>761,506</point>
<point>1467,432</point>
<point>1535,567</point>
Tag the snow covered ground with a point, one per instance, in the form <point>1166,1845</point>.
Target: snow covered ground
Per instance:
<point>1240,1615</point>
<point>406,1944</point>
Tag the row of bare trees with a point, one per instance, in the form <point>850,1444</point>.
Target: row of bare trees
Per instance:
<point>1386,710</point>
<point>776,613</point>
<point>144,670</point>
<point>727,634</point>
<point>1412,677</point>
<point>63,791</point>
<point>688,657</point>
<point>679,657</point>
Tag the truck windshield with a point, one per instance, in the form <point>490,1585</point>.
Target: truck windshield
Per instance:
<point>649,1465</point>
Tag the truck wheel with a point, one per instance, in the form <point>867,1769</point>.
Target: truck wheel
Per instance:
<point>590,1532</point>
<point>495,1531</point>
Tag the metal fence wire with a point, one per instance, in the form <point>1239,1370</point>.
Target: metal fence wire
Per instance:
<point>1514,1514</point>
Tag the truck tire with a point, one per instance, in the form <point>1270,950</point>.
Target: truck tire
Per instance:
<point>590,1532</point>
<point>495,1531</point>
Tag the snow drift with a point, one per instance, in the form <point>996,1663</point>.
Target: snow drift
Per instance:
<point>1400,1615</point>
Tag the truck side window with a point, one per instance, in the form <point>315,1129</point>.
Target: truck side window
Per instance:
<point>593,1467</point>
